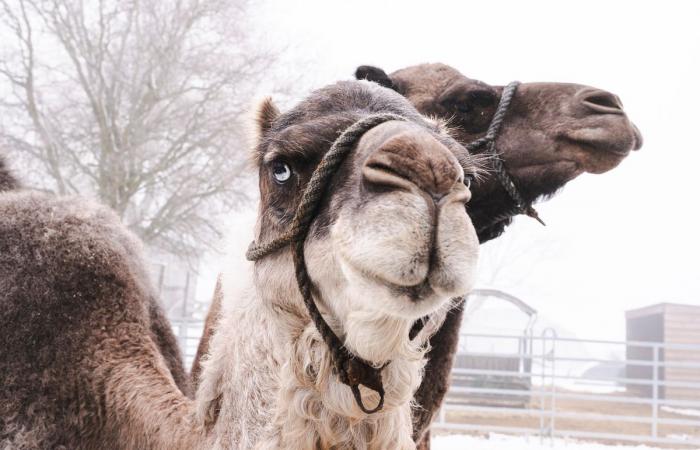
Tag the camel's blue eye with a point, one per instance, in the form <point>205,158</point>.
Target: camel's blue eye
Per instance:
<point>468,178</point>
<point>281,172</point>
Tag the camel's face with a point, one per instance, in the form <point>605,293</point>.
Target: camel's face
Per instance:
<point>392,237</point>
<point>552,132</point>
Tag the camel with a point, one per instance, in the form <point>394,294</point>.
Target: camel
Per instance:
<point>390,242</point>
<point>554,133</point>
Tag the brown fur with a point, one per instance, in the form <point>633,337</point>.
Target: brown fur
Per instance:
<point>78,325</point>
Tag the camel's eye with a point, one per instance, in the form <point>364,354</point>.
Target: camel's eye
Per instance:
<point>468,180</point>
<point>473,109</point>
<point>281,172</point>
<point>475,102</point>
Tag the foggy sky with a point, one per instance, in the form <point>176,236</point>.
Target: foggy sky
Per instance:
<point>613,242</point>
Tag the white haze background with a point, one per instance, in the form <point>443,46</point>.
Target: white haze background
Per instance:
<point>613,242</point>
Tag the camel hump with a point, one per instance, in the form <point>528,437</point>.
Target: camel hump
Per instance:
<point>64,264</point>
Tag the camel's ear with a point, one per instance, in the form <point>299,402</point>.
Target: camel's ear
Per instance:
<point>267,113</point>
<point>375,74</point>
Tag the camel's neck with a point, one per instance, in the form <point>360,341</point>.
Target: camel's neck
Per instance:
<point>270,384</point>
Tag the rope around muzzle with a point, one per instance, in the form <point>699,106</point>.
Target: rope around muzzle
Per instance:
<point>489,140</point>
<point>351,369</point>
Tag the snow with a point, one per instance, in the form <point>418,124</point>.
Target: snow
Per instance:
<point>503,442</point>
<point>681,411</point>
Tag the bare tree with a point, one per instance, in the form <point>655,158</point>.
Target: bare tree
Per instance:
<point>135,102</point>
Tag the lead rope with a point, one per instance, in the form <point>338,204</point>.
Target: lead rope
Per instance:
<point>351,369</point>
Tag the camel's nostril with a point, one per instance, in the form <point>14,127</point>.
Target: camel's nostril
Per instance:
<point>603,102</point>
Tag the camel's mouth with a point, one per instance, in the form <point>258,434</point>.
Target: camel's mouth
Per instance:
<point>401,244</point>
<point>405,256</point>
<point>600,148</point>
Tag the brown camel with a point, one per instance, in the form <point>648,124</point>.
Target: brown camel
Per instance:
<point>553,133</point>
<point>390,242</point>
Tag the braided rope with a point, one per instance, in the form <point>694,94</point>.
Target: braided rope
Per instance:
<point>489,140</point>
<point>351,369</point>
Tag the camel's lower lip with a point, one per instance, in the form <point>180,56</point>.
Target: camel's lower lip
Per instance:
<point>404,289</point>
<point>415,293</point>
<point>605,147</point>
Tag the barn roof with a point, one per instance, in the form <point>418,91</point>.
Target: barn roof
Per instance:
<point>662,308</point>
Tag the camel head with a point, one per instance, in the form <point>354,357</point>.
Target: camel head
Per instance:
<point>552,132</point>
<point>391,238</point>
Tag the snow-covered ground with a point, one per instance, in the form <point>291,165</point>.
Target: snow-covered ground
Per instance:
<point>682,411</point>
<point>502,442</point>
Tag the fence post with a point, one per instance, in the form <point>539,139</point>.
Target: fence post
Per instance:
<point>552,425</point>
<point>542,387</point>
<point>655,393</point>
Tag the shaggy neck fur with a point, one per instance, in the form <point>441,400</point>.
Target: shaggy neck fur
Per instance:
<point>270,384</point>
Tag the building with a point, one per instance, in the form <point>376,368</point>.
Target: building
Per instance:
<point>676,329</point>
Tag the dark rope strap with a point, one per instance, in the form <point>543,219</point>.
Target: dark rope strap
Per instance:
<point>351,369</point>
<point>489,140</point>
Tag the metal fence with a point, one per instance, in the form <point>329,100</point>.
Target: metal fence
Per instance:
<point>563,388</point>
<point>555,387</point>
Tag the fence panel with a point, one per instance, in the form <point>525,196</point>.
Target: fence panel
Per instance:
<point>573,388</point>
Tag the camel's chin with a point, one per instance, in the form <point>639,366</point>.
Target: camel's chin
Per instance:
<point>405,301</point>
<point>603,165</point>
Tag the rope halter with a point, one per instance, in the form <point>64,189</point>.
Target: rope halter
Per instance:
<point>504,178</point>
<point>350,368</point>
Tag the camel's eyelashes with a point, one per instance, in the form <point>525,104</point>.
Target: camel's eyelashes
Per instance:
<point>281,172</point>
